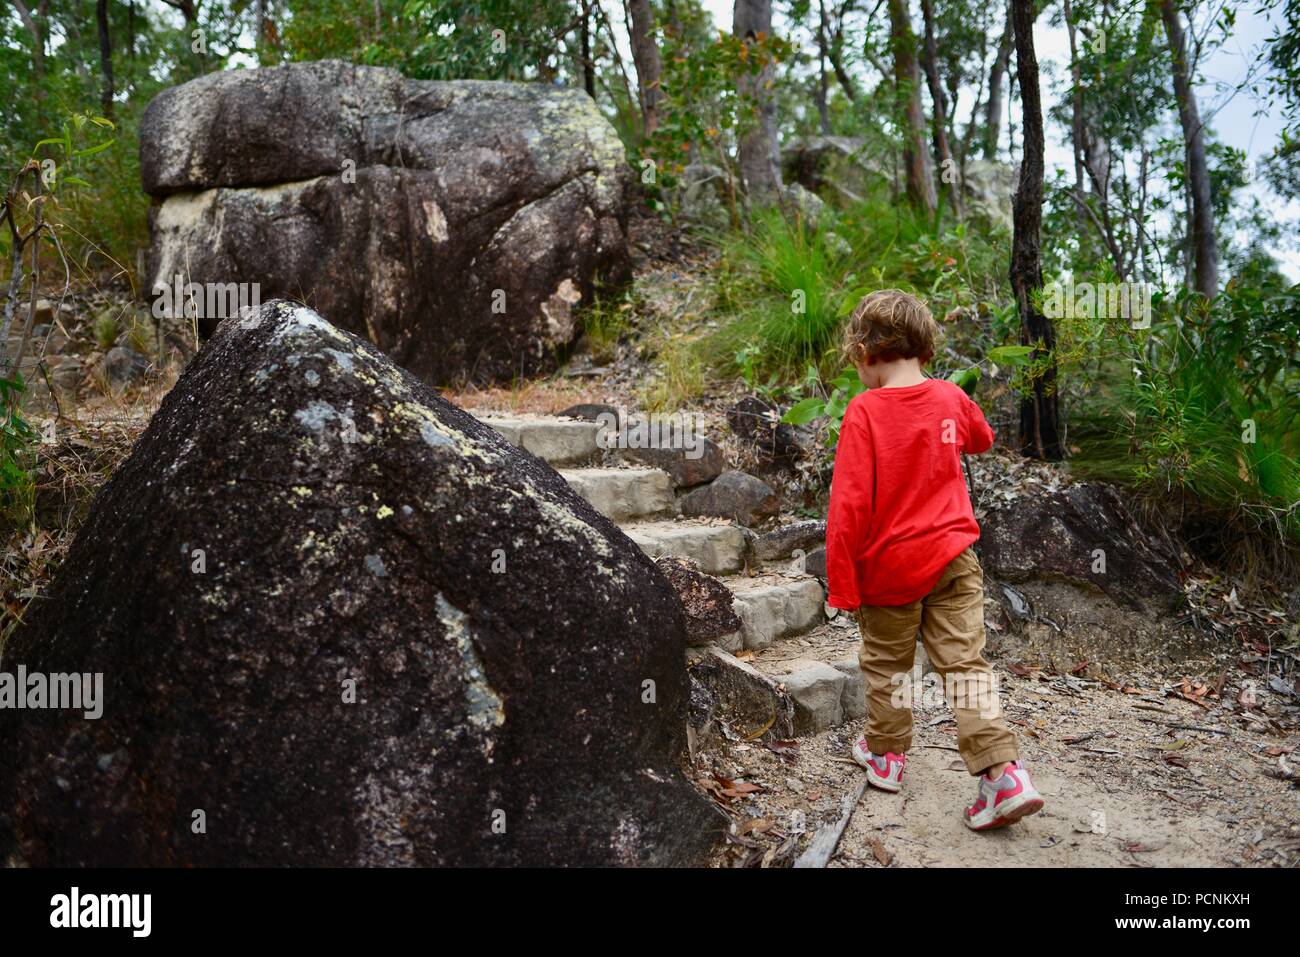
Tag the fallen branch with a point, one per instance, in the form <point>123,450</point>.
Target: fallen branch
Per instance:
<point>827,837</point>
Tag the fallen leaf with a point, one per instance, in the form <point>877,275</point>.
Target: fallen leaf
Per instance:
<point>881,854</point>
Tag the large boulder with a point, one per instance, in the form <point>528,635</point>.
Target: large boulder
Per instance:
<point>457,225</point>
<point>1085,535</point>
<point>837,166</point>
<point>988,187</point>
<point>341,622</point>
<point>1081,579</point>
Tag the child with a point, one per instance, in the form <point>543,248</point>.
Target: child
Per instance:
<point>898,554</point>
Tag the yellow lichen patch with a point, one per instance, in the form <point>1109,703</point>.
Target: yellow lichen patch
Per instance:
<point>302,490</point>
<point>384,512</point>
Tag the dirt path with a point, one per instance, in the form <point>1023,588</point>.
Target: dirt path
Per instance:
<point>1131,795</point>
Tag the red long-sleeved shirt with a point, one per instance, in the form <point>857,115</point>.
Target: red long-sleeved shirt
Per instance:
<point>899,510</point>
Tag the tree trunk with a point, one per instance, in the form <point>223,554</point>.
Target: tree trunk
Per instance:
<point>948,172</point>
<point>823,93</point>
<point>645,54</point>
<point>588,68</point>
<point>1201,222</point>
<point>760,160</point>
<point>993,114</point>
<point>105,59</point>
<point>1039,412</point>
<point>32,21</point>
<point>907,82</point>
<point>835,53</point>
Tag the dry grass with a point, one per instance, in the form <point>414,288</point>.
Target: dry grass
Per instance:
<point>539,396</point>
<point>89,443</point>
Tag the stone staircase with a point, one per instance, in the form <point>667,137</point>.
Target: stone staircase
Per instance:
<point>787,658</point>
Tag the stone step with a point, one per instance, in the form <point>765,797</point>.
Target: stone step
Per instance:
<point>554,440</point>
<point>624,494</point>
<point>729,698</point>
<point>819,671</point>
<point>574,442</point>
<point>776,606</point>
<point>718,548</point>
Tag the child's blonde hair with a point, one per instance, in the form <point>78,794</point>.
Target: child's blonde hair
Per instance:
<point>888,325</point>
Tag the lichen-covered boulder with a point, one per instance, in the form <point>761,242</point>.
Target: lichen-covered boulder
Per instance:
<point>457,225</point>
<point>341,622</point>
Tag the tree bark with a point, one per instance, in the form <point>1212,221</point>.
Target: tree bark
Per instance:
<point>588,68</point>
<point>907,82</point>
<point>760,159</point>
<point>645,54</point>
<point>1200,224</point>
<point>1039,411</point>
<point>835,51</point>
<point>33,21</point>
<point>823,92</point>
<point>993,113</point>
<point>105,58</point>
<point>943,158</point>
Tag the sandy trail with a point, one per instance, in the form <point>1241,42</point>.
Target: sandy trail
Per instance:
<point>1137,793</point>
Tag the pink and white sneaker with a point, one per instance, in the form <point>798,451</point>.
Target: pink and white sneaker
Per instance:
<point>884,771</point>
<point>1004,801</point>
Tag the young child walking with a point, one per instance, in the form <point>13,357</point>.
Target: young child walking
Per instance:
<point>899,556</point>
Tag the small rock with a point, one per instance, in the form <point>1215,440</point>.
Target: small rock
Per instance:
<point>686,467</point>
<point>591,411</point>
<point>818,693</point>
<point>787,539</point>
<point>853,698</point>
<point>814,563</point>
<point>123,367</point>
<point>726,690</point>
<point>66,374</point>
<point>735,495</point>
<point>759,423</point>
<point>804,204</point>
<point>44,311</point>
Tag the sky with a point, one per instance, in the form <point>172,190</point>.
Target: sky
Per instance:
<point>1240,120</point>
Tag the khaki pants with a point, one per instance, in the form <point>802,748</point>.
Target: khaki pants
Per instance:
<point>951,622</point>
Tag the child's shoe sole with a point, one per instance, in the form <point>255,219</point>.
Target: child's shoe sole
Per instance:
<point>1008,812</point>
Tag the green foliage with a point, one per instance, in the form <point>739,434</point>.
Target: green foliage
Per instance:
<point>17,441</point>
<point>1206,404</point>
<point>830,405</point>
<point>784,290</point>
<point>105,329</point>
<point>701,117</point>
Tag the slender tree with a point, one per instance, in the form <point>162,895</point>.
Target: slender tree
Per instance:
<point>993,111</point>
<point>584,45</point>
<point>645,55</point>
<point>823,50</point>
<point>907,82</point>
<point>835,47</point>
<point>943,157</point>
<point>105,58</point>
<point>1200,226</point>
<point>1039,411</point>
<point>34,20</point>
<point>760,159</point>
